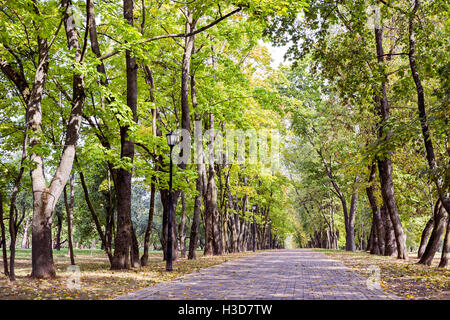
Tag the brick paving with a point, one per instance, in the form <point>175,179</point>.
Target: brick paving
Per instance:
<point>276,274</point>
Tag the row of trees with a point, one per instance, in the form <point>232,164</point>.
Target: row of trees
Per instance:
<point>89,89</point>
<point>369,102</point>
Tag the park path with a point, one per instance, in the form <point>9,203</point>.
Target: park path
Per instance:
<point>275,274</point>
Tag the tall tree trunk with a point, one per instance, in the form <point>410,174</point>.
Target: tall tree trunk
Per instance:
<point>109,227</point>
<point>390,248</point>
<point>193,238</point>
<point>165,201</point>
<point>69,212</point>
<point>3,239</point>
<point>181,231</point>
<point>440,222</point>
<point>42,256</point>
<point>134,250</point>
<point>237,226</point>
<point>185,71</point>
<point>424,238</point>
<point>201,172</point>
<point>241,222</point>
<point>350,234</point>
<point>106,247</point>
<point>123,238</point>
<point>57,244</point>
<point>151,212</point>
<point>431,158</point>
<point>211,228</point>
<point>446,246</point>
<point>187,79</point>
<point>385,163</point>
<point>25,244</point>
<point>374,247</point>
<point>45,198</point>
<point>14,224</point>
<point>348,216</point>
<point>232,224</point>
<point>376,214</point>
<point>110,223</point>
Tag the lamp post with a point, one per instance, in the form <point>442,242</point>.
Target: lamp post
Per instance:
<point>275,240</point>
<point>254,227</point>
<point>171,141</point>
<point>270,234</point>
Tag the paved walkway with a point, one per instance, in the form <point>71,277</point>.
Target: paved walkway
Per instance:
<point>277,274</point>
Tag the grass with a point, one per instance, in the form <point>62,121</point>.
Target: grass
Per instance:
<point>408,280</point>
<point>97,281</point>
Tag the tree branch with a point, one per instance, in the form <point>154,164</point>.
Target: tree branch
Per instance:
<point>177,35</point>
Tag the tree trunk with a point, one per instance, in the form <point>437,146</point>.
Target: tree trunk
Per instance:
<point>181,231</point>
<point>446,246</point>
<point>350,234</point>
<point>69,212</point>
<point>237,227</point>
<point>349,217</point>
<point>431,158</point>
<point>42,256</point>
<point>45,198</point>
<point>109,227</point>
<point>440,222</point>
<point>134,253</point>
<point>385,163</point>
<point>425,235</point>
<point>374,245</point>
<point>165,201</point>
<point>25,244</point>
<point>185,71</point>
<point>390,243</point>
<point>106,247</point>
<point>212,245</point>
<point>3,239</point>
<point>193,239</point>
<point>376,214</point>
<point>201,179</point>
<point>151,212</point>
<point>13,219</point>
<point>14,223</point>
<point>241,222</point>
<point>58,231</point>
<point>123,238</point>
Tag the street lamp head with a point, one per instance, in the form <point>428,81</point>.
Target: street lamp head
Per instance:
<point>172,138</point>
<point>254,207</point>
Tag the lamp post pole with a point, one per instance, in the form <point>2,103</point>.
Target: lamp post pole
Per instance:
<point>169,222</point>
<point>270,234</point>
<point>171,141</point>
<point>254,228</point>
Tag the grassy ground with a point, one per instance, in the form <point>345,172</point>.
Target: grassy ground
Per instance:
<point>405,279</point>
<point>96,280</point>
